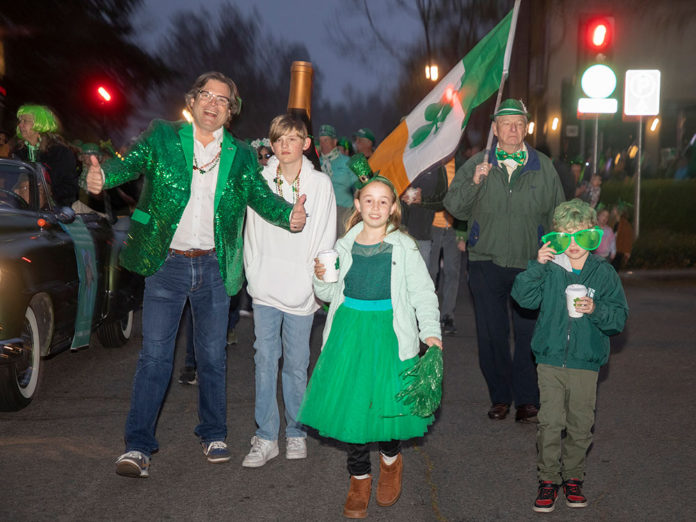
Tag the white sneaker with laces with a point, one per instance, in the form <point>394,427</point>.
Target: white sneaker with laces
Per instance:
<point>296,448</point>
<point>262,451</point>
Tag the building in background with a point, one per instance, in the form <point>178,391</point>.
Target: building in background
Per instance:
<point>547,64</point>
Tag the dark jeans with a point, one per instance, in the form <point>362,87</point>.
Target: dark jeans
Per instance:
<point>507,377</point>
<point>180,279</point>
<point>445,240</point>
<point>359,455</point>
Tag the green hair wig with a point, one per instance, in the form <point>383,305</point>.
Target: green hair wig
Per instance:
<point>44,119</point>
<point>573,214</point>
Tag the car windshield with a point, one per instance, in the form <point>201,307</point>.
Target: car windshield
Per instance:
<point>18,187</point>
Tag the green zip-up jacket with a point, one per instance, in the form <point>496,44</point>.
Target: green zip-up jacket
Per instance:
<point>506,219</point>
<point>560,340</point>
<point>163,155</point>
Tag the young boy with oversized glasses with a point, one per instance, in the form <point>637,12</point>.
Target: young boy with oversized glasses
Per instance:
<point>569,350</point>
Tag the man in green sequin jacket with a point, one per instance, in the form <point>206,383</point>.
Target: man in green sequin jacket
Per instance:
<point>186,238</point>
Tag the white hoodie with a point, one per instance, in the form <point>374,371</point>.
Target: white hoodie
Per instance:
<point>279,264</point>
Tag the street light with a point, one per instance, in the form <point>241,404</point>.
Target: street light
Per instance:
<point>431,72</point>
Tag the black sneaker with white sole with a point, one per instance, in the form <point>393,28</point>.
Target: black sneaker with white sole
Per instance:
<point>573,493</point>
<point>546,497</point>
<point>188,376</point>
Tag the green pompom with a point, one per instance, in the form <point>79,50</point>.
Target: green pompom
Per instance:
<point>423,384</point>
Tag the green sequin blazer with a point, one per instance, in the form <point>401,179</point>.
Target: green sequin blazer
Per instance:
<point>163,155</point>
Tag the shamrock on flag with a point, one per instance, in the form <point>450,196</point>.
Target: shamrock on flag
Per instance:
<point>429,135</point>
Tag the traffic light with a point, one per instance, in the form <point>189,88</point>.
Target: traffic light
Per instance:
<point>596,77</point>
<point>595,40</point>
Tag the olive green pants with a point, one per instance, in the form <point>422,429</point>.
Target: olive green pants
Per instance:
<point>567,399</point>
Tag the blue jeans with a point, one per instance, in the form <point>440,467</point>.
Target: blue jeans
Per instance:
<point>280,333</point>
<point>190,360</point>
<point>180,278</point>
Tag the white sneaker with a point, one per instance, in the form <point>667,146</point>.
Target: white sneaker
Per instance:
<point>262,451</point>
<point>296,448</point>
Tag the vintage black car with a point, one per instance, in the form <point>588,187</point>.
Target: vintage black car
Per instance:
<point>59,280</point>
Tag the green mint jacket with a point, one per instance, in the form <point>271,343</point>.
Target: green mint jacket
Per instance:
<point>416,311</point>
<point>163,155</point>
<point>560,340</point>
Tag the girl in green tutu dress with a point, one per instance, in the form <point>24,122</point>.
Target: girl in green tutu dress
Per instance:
<point>382,299</point>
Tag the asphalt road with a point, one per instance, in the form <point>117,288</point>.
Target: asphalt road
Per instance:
<point>57,456</point>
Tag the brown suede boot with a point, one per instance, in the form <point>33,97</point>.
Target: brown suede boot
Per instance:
<point>358,498</point>
<point>389,483</point>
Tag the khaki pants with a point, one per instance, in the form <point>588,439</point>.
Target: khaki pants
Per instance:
<point>567,400</point>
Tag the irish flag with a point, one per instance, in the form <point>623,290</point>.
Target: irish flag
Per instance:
<point>431,132</point>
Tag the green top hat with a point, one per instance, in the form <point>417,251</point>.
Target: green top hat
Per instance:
<point>361,168</point>
<point>366,133</point>
<point>327,130</point>
<point>511,107</point>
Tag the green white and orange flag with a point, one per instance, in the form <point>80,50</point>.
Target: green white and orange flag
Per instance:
<point>429,135</point>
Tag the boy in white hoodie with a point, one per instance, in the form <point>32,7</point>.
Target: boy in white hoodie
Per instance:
<point>279,266</point>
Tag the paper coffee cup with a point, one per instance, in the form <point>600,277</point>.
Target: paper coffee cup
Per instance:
<point>572,293</point>
<point>329,258</point>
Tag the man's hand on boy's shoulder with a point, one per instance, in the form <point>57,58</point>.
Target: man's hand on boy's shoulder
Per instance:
<point>546,253</point>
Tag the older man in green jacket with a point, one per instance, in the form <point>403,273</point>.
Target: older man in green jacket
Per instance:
<point>508,199</point>
<point>186,238</point>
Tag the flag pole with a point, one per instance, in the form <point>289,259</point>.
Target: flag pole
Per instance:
<point>506,69</point>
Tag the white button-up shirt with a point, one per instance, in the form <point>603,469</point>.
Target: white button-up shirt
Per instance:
<point>196,228</point>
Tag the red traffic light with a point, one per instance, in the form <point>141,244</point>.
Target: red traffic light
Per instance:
<point>103,93</point>
<point>599,34</point>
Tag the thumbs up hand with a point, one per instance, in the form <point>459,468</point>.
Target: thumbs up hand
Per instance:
<point>95,179</point>
<point>298,217</point>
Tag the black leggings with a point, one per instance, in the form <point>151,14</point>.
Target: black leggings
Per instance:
<point>359,455</point>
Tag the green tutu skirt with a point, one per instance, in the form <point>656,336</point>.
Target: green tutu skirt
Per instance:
<point>351,395</point>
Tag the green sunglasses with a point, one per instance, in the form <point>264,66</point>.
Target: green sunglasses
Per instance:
<point>588,239</point>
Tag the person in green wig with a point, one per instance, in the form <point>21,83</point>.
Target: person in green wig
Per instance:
<point>382,304</point>
<point>507,196</point>
<point>185,237</point>
<point>38,140</point>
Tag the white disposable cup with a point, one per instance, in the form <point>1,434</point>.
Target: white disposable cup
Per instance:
<point>329,258</point>
<point>572,293</point>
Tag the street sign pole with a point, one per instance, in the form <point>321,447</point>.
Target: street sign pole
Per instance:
<point>641,98</point>
<point>637,183</point>
<point>594,145</point>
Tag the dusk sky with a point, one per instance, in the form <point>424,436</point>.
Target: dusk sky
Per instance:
<point>314,21</point>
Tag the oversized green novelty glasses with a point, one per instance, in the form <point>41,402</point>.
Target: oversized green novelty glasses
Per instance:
<point>587,238</point>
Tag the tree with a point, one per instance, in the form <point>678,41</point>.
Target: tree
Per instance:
<point>236,46</point>
<point>59,51</point>
<point>451,28</point>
